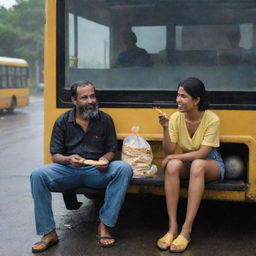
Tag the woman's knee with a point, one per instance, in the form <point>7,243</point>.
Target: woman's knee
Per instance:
<point>173,167</point>
<point>198,168</point>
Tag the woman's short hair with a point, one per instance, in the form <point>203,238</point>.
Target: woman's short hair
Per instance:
<point>74,86</point>
<point>196,89</point>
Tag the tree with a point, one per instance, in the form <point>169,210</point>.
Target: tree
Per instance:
<point>21,33</point>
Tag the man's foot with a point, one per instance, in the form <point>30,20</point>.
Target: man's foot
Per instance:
<point>104,237</point>
<point>46,242</point>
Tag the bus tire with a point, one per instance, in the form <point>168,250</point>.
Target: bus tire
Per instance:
<point>12,107</point>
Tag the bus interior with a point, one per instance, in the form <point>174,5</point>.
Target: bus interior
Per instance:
<point>213,40</point>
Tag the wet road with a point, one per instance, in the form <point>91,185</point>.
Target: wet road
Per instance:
<point>221,228</point>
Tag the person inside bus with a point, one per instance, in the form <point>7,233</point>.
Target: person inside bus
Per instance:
<point>83,132</point>
<point>133,55</point>
<point>196,131</point>
<point>235,54</point>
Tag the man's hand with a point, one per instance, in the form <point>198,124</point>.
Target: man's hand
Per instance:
<point>76,160</point>
<point>103,167</point>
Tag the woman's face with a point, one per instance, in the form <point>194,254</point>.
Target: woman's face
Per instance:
<point>185,102</point>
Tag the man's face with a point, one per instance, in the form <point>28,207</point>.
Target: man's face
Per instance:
<point>86,102</point>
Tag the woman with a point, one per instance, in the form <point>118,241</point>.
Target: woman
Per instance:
<point>196,131</point>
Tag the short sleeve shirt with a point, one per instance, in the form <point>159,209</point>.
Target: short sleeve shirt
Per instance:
<point>69,138</point>
<point>207,133</point>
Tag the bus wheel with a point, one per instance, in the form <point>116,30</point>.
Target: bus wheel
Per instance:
<point>12,107</point>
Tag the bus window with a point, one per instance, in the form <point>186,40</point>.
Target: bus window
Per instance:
<point>153,40</point>
<point>3,77</point>
<point>18,77</point>
<point>24,77</point>
<point>92,48</point>
<point>220,49</point>
<point>217,44</point>
<point>11,77</point>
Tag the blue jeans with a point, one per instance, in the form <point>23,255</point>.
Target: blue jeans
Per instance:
<point>115,179</point>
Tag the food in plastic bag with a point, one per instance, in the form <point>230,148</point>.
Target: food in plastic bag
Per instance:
<point>137,152</point>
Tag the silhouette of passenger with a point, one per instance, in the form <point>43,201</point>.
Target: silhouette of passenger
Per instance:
<point>235,54</point>
<point>133,55</point>
<point>234,38</point>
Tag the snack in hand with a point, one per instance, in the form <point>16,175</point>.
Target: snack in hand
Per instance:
<point>159,111</point>
<point>93,162</point>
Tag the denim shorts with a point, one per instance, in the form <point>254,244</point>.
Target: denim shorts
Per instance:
<point>214,155</point>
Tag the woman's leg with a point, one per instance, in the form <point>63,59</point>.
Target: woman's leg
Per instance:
<point>201,171</point>
<point>174,170</point>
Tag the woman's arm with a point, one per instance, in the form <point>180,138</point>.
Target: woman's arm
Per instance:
<point>168,146</point>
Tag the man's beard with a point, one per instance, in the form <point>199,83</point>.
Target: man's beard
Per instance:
<point>88,111</point>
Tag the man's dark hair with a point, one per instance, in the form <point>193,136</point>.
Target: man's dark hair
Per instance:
<point>74,86</point>
<point>130,37</point>
<point>195,88</point>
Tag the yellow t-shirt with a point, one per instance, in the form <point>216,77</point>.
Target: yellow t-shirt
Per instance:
<point>207,133</point>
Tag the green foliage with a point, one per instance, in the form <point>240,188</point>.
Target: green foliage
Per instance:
<point>22,31</point>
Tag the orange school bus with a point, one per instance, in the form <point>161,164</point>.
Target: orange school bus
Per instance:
<point>14,83</point>
<point>212,40</point>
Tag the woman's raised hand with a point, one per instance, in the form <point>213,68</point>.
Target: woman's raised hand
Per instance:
<point>163,118</point>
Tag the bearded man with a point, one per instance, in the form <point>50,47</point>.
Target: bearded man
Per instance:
<point>83,133</point>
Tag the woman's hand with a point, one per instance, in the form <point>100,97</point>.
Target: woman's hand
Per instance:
<point>166,160</point>
<point>163,120</point>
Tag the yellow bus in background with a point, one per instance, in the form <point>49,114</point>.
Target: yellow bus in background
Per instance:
<point>212,40</point>
<point>14,83</point>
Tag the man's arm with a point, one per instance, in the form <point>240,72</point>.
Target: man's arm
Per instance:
<point>108,157</point>
<point>74,160</point>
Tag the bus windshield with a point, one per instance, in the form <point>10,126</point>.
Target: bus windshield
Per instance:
<point>151,45</point>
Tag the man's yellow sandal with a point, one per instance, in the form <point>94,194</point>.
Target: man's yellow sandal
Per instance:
<point>180,244</point>
<point>166,239</point>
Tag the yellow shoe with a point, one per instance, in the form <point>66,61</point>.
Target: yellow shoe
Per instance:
<point>180,244</point>
<point>166,239</point>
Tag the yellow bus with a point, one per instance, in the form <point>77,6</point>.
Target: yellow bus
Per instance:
<point>14,83</point>
<point>214,40</point>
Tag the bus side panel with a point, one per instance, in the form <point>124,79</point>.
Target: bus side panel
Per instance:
<point>20,96</point>
<point>50,110</point>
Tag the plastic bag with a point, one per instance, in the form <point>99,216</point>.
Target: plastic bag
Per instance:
<point>137,152</point>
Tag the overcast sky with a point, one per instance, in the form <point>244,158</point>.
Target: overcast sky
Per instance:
<point>7,3</point>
